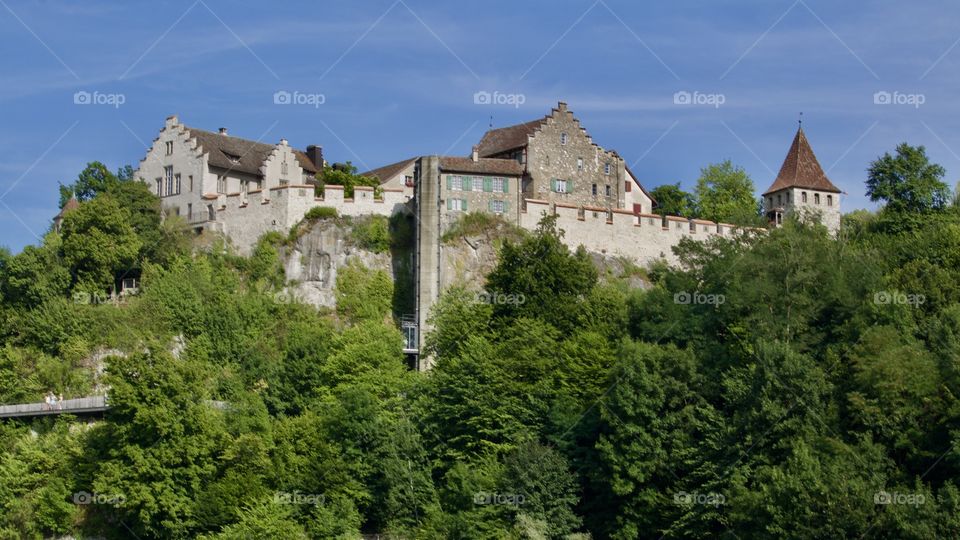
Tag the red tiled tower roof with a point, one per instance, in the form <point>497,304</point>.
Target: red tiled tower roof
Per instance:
<point>801,169</point>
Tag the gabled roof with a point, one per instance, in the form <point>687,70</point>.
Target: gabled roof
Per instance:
<point>636,180</point>
<point>509,167</point>
<point>801,169</point>
<point>234,153</point>
<point>389,171</point>
<point>496,141</point>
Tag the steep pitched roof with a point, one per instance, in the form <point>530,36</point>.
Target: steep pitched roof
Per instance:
<point>801,169</point>
<point>509,167</point>
<point>71,204</point>
<point>502,139</point>
<point>636,180</point>
<point>238,154</point>
<point>389,171</point>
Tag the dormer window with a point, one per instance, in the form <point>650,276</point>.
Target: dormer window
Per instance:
<point>563,138</point>
<point>235,159</point>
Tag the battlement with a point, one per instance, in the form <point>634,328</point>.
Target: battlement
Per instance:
<point>246,217</point>
<point>640,237</point>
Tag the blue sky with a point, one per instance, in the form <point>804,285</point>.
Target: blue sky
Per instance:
<point>398,78</point>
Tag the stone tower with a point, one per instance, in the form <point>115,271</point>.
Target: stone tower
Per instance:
<point>802,188</point>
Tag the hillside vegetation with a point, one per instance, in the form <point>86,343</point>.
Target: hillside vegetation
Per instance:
<point>781,384</point>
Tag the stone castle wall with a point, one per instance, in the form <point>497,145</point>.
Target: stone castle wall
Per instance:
<point>642,238</point>
<point>245,218</point>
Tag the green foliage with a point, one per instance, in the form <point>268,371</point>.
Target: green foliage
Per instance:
<point>673,201</point>
<point>372,233</point>
<point>99,244</point>
<point>482,223</point>
<point>908,182</point>
<point>362,293</point>
<point>92,181</point>
<point>321,212</point>
<point>346,175</point>
<point>724,193</point>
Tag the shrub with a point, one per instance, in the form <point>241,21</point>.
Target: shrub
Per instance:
<point>321,212</point>
<point>372,233</point>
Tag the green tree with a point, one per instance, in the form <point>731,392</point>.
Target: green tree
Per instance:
<point>724,193</point>
<point>673,201</point>
<point>92,181</point>
<point>99,244</point>
<point>907,182</point>
<point>346,175</point>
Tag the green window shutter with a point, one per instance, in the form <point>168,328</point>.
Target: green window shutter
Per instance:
<point>506,184</point>
<point>463,204</point>
<point>569,186</point>
<point>449,204</point>
<point>506,207</point>
<point>449,183</point>
<point>487,184</point>
<point>490,206</point>
<point>467,183</point>
<point>553,185</point>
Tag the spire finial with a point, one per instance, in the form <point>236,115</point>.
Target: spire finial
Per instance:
<point>800,121</point>
<point>491,121</point>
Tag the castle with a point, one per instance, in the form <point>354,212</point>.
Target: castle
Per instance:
<point>551,165</point>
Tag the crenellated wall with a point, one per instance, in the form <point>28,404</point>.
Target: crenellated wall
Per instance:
<point>246,217</point>
<point>643,238</point>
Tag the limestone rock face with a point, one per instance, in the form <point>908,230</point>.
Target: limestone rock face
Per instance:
<point>312,263</point>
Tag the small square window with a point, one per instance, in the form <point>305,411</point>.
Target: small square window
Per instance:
<point>580,164</point>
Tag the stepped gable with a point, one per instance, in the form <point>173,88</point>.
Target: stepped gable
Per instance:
<point>801,169</point>
<point>389,171</point>
<point>242,155</point>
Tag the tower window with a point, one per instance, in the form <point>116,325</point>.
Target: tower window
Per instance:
<point>169,148</point>
<point>594,190</point>
<point>580,164</point>
<point>606,168</point>
<point>563,138</point>
<point>829,200</point>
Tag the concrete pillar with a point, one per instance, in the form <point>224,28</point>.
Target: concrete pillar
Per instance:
<point>428,248</point>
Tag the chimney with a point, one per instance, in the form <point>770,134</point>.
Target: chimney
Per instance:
<point>476,153</point>
<point>283,142</point>
<point>223,131</point>
<point>562,105</point>
<point>315,153</point>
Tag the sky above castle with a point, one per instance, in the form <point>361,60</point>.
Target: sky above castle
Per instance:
<point>672,86</point>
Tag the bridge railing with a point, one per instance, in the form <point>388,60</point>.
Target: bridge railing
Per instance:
<point>82,405</point>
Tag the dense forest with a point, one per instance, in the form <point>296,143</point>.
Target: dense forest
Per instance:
<point>780,383</point>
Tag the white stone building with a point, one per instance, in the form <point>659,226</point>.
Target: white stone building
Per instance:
<point>194,171</point>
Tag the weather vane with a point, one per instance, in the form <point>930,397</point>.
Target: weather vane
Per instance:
<point>800,121</point>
